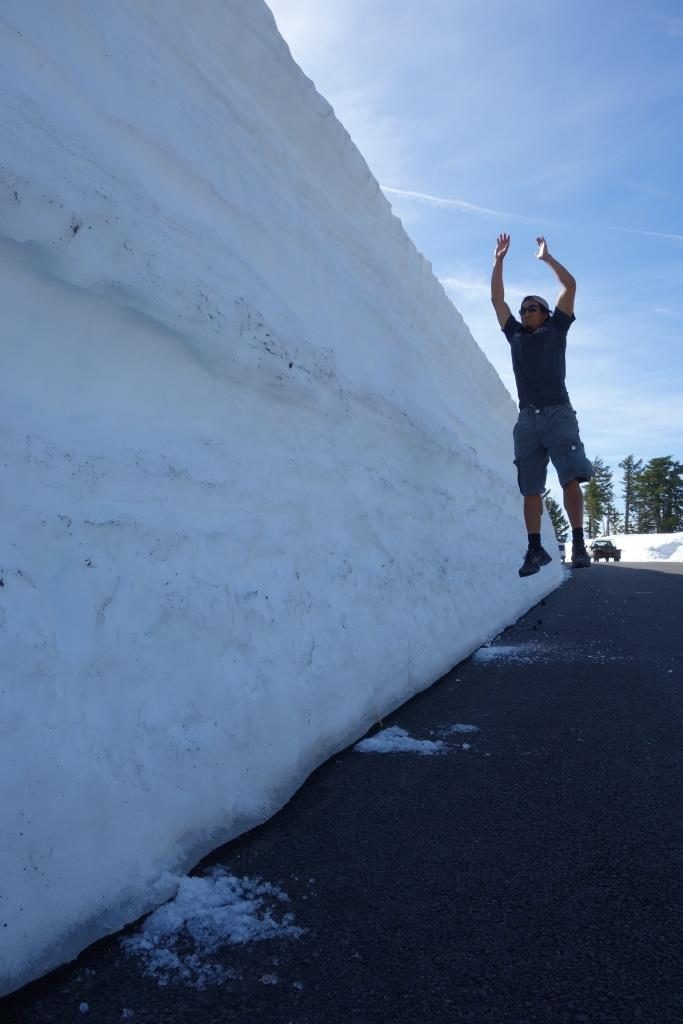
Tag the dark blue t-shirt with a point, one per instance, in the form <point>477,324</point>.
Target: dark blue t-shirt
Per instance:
<point>538,360</point>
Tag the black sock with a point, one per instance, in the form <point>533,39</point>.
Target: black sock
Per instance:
<point>534,541</point>
<point>577,537</point>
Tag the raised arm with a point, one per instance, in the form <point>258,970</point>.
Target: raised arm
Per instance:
<point>565,300</point>
<point>497,288</point>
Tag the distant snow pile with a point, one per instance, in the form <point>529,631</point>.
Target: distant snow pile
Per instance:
<point>644,547</point>
<point>649,547</point>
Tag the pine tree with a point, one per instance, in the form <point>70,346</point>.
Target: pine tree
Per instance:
<point>673,507</point>
<point>598,496</point>
<point>660,496</point>
<point>631,467</point>
<point>557,516</point>
<point>614,522</point>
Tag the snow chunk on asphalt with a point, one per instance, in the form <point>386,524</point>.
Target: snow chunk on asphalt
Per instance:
<point>545,652</point>
<point>524,653</point>
<point>397,741</point>
<point>208,912</point>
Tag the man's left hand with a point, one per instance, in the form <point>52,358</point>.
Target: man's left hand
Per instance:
<point>542,253</point>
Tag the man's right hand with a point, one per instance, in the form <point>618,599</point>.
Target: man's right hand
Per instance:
<point>497,289</point>
<point>502,246</point>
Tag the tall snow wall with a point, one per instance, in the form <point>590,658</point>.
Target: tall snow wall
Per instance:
<point>257,485</point>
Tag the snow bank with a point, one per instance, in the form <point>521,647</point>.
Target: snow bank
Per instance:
<point>257,479</point>
<point>649,547</point>
<point>645,547</point>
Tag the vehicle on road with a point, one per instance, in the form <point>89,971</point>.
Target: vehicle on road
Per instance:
<point>604,548</point>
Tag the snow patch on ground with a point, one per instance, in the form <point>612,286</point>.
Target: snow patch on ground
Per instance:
<point>459,727</point>
<point>395,740</point>
<point>523,653</point>
<point>538,652</point>
<point>175,943</point>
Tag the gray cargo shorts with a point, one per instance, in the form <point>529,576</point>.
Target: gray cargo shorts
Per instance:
<point>548,432</point>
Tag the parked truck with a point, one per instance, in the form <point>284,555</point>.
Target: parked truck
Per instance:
<point>604,548</point>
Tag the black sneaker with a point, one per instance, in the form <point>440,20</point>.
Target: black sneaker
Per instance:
<point>580,557</point>
<point>533,560</point>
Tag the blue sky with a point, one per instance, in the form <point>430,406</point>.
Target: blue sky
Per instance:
<point>534,118</point>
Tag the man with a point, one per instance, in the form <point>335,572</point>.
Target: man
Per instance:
<point>546,426</point>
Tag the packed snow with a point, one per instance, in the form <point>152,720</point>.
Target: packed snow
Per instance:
<point>258,475</point>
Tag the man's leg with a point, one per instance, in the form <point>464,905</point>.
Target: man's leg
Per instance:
<point>531,460</point>
<point>533,509</point>
<point>573,504</point>
<point>561,435</point>
<point>536,556</point>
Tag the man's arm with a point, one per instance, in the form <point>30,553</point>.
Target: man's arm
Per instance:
<point>565,300</point>
<point>497,288</point>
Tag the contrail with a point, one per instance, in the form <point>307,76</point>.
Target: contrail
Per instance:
<point>652,234</point>
<point>459,204</point>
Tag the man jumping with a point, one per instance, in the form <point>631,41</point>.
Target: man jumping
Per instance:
<point>546,426</point>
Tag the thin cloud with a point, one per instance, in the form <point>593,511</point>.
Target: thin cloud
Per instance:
<point>459,204</point>
<point>462,204</point>
<point>674,27</point>
<point>478,287</point>
<point>650,234</point>
<point>468,285</point>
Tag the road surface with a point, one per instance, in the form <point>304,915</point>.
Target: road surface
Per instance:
<point>531,873</point>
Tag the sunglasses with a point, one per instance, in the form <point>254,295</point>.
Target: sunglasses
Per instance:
<point>531,309</point>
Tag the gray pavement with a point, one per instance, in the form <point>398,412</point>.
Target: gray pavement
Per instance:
<point>531,873</point>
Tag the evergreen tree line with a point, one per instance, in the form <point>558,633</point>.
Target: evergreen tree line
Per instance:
<point>652,495</point>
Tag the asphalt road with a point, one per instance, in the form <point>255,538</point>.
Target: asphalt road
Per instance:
<point>535,876</point>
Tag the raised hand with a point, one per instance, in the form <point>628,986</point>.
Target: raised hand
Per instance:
<point>542,253</point>
<point>502,246</point>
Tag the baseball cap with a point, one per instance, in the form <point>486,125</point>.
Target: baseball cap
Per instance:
<point>538,299</point>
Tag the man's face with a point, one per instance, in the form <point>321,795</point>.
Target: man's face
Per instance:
<point>532,314</point>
